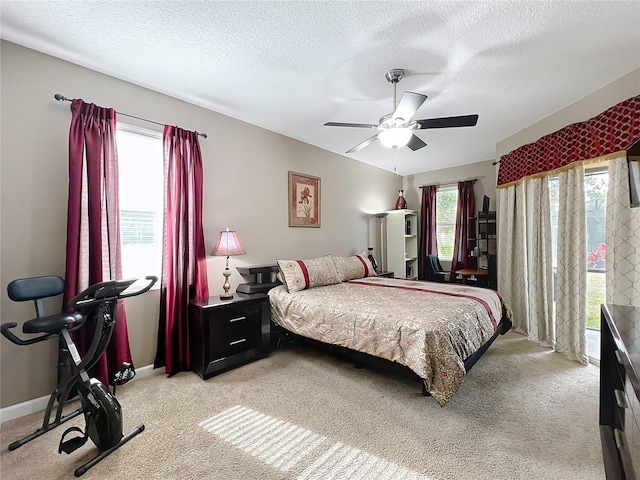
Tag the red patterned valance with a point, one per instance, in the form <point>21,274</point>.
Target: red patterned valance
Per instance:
<point>611,131</point>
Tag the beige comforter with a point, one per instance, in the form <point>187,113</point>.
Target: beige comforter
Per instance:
<point>429,327</point>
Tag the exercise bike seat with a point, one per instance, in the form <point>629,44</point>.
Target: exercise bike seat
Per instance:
<point>37,289</point>
<point>52,324</point>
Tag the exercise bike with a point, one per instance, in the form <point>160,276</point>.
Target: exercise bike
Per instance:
<point>102,412</point>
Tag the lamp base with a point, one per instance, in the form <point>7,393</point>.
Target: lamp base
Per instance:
<point>227,273</point>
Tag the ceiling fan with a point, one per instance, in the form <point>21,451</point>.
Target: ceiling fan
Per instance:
<point>396,129</point>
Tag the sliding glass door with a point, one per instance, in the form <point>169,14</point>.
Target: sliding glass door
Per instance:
<point>595,187</point>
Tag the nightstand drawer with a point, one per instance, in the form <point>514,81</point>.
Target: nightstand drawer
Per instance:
<point>234,340</point>
<point>234,315</point>
<point>234,329</point>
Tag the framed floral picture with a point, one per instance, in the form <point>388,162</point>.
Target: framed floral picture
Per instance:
<point>304,200</point>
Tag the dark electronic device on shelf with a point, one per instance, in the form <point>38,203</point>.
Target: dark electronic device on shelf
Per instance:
<point>265,278</point>
<point>485,205</point>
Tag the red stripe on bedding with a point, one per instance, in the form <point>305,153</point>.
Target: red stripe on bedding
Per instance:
<point>482,302</point>
<point>305,273</point>
<point>364,264</point>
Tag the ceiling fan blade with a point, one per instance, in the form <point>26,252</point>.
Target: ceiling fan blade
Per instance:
<point>360,146</point>
<point>409,105</point>
<point>359,125</point>
<point>415,143</point>
<point>446,122</point>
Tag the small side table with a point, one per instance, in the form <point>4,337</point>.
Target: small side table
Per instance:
<point>465,273</point>
<point>227,334</point>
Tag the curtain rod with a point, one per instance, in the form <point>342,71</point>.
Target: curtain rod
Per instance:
<point>449,183</point>
<point>62,98</point>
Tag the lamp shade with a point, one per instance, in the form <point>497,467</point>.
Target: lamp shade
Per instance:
<point>395,137</point>
<point>228,245</point>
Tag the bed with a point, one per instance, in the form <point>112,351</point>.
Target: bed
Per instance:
<point>436,330</point>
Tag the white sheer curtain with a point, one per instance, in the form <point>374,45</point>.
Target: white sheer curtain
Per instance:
<point>540,272</point>
<point>525,264</point>
<point>512,258</point>
<point>571,288</point>
<point>623,239</point>
<point>525,270</point>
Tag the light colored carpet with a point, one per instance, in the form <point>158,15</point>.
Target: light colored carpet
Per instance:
<point>523,412</point>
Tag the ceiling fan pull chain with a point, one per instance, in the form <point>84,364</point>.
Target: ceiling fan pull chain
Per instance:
<point>395,157</point>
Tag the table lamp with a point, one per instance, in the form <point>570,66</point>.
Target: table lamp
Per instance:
<point>226,246</point>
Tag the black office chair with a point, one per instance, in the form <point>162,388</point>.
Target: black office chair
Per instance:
<point>435,273</point>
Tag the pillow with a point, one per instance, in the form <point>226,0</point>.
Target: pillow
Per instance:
<point>355,266</point>
<point>301,274</point>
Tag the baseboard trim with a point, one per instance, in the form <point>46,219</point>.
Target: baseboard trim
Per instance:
<point>30,406</point>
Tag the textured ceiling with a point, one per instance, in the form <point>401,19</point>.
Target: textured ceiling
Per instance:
<point>291,66</point>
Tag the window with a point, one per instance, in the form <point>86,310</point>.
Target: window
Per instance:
<point>140,167</point>
<point>446,211</point>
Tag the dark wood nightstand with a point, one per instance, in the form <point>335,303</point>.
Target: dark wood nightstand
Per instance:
<point>226,334</point>
<point>386,274</point>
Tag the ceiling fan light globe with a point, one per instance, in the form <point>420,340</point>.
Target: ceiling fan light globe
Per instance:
<point>395,137</point>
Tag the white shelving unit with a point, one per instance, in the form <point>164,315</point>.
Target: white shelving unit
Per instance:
<point>402,243</point>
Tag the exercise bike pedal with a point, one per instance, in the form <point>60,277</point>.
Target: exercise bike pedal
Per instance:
<point>73,443</point>
<point>123,375</point>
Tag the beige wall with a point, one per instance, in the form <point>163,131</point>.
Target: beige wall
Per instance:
<point>622,89</point>
<point>245,170</point>
<point>484,172</point>
<point>487,174</point>
<point>245,173</point>
<point>606,97</point>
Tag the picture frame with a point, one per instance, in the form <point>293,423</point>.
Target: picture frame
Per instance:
<point>304,200</point>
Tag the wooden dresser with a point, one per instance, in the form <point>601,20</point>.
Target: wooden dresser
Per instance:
<point>620,391</point>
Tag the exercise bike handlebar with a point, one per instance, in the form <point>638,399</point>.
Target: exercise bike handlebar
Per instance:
<point>5,330</point>
<point>109,290</point>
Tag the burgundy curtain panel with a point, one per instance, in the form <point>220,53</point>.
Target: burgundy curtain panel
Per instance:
<point>464,216</point>
<point>184,270</point>
<point>93,224</point>
<point>428,239</point>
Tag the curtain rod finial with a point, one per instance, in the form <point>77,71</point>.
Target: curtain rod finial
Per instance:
<point>60,98</point>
